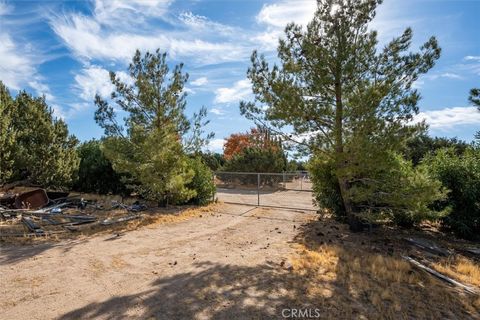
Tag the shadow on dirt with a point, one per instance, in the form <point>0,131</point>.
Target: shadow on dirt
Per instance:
<point>337,274</point>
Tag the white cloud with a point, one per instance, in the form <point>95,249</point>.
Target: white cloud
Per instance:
<point>216,145</point>
<point>42,89</point>
<point>449,117</point>
<point>240,90</point>
<point>276,16</point>
<point>450,75</point>
<point>474,58</point>
<point>4,8</point>
<point>100,36</point>
<point>198,23</point>
<point>93,80</point>
<point>199,81</point>
<point>16,66</point>
<point>217,111</point>
<point>283,12</point>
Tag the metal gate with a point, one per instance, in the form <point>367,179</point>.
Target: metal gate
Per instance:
<point>289,190</point>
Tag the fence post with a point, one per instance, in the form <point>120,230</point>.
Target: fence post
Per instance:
<point>258,189</point>
<point>301,182</point>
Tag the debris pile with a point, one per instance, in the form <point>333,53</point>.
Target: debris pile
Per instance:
<point>40,213</point>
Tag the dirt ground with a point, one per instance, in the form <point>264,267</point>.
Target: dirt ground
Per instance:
<point>234,262</point>
<point>277,198</point>
<point>196,268</point>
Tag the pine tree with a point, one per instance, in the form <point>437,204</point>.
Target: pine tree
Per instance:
<point>7,134</point>
<point>152,143</point>
<point>45,153</point>
<point>353,100</point>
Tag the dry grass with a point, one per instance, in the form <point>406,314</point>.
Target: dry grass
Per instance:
<point>460,268</point>
<point>350,278</point>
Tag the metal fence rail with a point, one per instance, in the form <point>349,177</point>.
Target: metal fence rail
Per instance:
<point>283,190</point>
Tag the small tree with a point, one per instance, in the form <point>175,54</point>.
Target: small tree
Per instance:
<point>44,151</point>
<point>151,145</point>
<point>352,100</point>
<point>7,135</point>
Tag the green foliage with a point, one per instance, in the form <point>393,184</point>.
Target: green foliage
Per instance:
<point>148,147</point>
<point>422,145</point>
<point>475,97</point>
<point>202,182</point>
<point>253,159</point>
<point>7,135</point>
<point>399,192</point>
<point>325,186</point>
<point>295,165</point>
<point>35,146</point>
<point>95,172</point>
<point>461,175</point>
<point>351,99</point>
<point>213,160</point>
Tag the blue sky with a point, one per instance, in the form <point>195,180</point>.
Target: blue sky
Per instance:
<point>64,50</point>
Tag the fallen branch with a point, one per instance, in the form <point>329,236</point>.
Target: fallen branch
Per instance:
<point>439,275</point>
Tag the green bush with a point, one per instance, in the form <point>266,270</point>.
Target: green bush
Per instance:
<point>202,182</point>
<point>213,160</point>
<point>325,186</point>
<point>396,191</point>
<point>461,175</point>
<point>423,145</point>
<point>95,173</point>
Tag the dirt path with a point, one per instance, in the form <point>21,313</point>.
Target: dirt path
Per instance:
<point>225,265</point>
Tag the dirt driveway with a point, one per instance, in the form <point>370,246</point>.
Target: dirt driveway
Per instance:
<point>227,264</point>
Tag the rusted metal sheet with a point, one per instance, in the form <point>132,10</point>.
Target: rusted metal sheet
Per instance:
<point>34,199</point>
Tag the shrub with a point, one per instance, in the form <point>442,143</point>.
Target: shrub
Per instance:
<point>213,160</point>
<point>461,175</point>
<point>397,192</point>
<point>95,173</point>
<point>202,182</point>
<point>325,186</point>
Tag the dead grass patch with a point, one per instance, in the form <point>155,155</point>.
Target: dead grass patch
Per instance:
<point>461,269</point>
<point>349,276</point>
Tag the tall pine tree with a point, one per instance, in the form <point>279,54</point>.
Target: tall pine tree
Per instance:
<point>152,143</point>
<point>352,99</point>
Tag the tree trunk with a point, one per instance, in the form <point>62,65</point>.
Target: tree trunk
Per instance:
<point>339,151</point>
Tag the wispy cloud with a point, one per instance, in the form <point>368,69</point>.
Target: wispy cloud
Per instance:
<point>91,81</point>
<point>16,65</point>
<point>217,111</point>
<point>277,15</point>
<point>190,37</point>
<point>240,90</point>
<point>199,81</point>
<point>472,58</point>
<point>450,117</point>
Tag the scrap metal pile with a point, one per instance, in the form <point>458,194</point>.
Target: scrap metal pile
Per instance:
<point>40,213</point>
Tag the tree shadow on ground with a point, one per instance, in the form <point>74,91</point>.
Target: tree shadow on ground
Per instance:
<point>14,253</point>
<point>335,273</point>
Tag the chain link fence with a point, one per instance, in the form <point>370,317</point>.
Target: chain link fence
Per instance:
<point>284,190</point>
